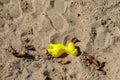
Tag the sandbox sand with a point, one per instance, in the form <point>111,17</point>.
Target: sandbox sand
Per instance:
<point>96,23</point>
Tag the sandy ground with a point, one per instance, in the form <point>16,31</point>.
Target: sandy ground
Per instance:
<point>96,23</point>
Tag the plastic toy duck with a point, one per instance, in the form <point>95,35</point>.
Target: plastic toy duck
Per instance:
<point>56,50</point>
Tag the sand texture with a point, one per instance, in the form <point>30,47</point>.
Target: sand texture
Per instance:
<point>96,23</point>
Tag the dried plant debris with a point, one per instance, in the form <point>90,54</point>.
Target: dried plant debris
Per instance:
<point>30,47</point>
<point>45,51</point>
<point>75,40</point>
<point>26,40</point>
<point>48,78</point>
<point>19,54</point>
<point>94,63</point>
<point>22,54</point>
<point>25,55</point>
<point>30,32</point>
<point>64,62</point>
<point>15,53</point>
<point>27,46</point>
<point>12,50</point>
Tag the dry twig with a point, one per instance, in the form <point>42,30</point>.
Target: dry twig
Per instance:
<point>15,53</point>
<point>30,47</point>
<point>75,40</point>
<point>94,63</point>
<point>21,54</point>
<point>30,31</point>
<point>12,50</point>
<point>64,62</point>
<point>27,40</point>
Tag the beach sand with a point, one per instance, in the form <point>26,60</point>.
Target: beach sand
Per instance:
<point>96,23</point>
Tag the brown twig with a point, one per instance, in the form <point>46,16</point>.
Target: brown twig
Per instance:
<point>27,40</point>
<point>75,40</point>
<point>15,53</point>
<point>94,63</point>
<point>21,54</point>
<point>12,50</point>
<point>64,62</point>
<point>30,31</point>
<point>30,47</point>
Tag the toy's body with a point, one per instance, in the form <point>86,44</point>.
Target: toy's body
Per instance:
<point>56,50</point>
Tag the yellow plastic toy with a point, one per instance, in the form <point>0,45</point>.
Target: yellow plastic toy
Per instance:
<point>56,50</point>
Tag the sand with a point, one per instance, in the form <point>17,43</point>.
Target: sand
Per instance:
<point>96,23</point>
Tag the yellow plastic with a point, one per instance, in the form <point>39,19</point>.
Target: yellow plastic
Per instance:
<point>56,50</point>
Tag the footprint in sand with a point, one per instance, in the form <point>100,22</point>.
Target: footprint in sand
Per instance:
<point>24,33</point>
<point>100,34</point>
<point>59,5</point>
<point>102,37</point>
<point>61,38</point>
<point>56,20</point>
<point>67,38</point>
<point>56,38</point>
<point>26,6</point>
